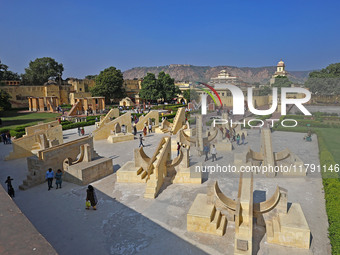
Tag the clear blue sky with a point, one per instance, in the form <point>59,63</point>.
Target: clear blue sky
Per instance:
<point>88,36</point>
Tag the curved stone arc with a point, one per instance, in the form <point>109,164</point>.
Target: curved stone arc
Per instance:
<point>269,204</point>
<point>222,200</point>
<point>225,202</point>
<point>81,157</point>
<point>176,160</point>
<point>213,135</point>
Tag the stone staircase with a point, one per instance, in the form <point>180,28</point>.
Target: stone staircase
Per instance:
<point>155,180</point>
<point>273,226</point>
<point>35,175</point>
<point>142,173</point>
<point>219,222</point>
<point>178,121</point>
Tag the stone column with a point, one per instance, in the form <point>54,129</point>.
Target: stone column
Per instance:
<point>30,104</point>
<point>41,104</point>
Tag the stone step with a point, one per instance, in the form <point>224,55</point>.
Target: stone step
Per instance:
<point>217,218</point>
<point>140,170</point>
<point>221,229</point>
<point>144,174</point>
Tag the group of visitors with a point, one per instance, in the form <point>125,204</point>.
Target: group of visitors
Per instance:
<point>233,137</point>
<point>91,198</point>
<point>81,131</point>
<point>58,178</point>
<point>206,150</point>
<point>6,137</point>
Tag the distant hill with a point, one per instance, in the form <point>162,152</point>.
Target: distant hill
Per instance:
<point>205,73</point>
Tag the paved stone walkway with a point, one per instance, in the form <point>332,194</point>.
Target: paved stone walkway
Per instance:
<point>126,223</point>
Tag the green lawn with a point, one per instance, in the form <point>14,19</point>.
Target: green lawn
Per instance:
<point>332,140</point>
<point>12,119</point>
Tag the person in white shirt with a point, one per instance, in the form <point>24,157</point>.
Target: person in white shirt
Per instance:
<point>213,153</point>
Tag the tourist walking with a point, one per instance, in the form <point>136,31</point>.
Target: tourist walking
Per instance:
<point>58,178</point>
<point>141,140</point>
<point>206,151</point>
<point>213,153</point>
<point>243,137</point>
<point>238,139</point>
<point>82,131</point>
<point>4,138</point>
<point>178,148</point>
<point>8,136</point>
<point>79,131</point>
<point>10,189</point>
<point>91,198</point>
<point>49,178</point>
<point>150,128</point>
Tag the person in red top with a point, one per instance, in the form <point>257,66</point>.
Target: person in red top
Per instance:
<point>178,148</point>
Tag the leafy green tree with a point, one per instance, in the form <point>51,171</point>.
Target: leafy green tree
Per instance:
<point>4,101</point>
<point>167,89</point>
<point>163,87</point>
<point>109,84</point>
<point>265,90</point>
<point>149,90</point>
<point>90,77</point>
<point>281,82</point>
<point>325,81</point>
<point>40,70</point>
<point>6,75</point>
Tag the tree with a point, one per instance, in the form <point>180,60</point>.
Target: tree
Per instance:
<point>161,88</point>
<point>265,90</point>
<point>109,84</point>
<point>40,70</point>
<point>281,82</point>
<point>4,101</point>
<point>325,81</point>
<point>167,88</point>
<point>149,90</point>
<point>91,77</point>
<point>6,75</point>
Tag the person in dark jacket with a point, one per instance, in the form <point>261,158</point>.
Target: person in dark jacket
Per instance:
<point>58,178</point>
<point>91,197</point>
<point>10,189</point>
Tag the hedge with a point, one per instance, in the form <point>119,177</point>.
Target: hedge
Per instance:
<point>331,186</point>
<point>78,124</point>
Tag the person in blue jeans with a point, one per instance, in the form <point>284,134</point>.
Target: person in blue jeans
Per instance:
<point>49,178</point>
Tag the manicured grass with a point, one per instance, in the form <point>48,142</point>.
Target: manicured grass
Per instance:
<point>12,119</point>
<point>331,137</point>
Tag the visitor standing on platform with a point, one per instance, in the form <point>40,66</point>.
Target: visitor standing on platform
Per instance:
<point>238,139</point>
<point>243,137</point>
<point>58,178</point>
<point>206,151</point>
<point>49,178</point>
<point>178,148</point>
<point>145,130</point>
<point>213,153</point>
